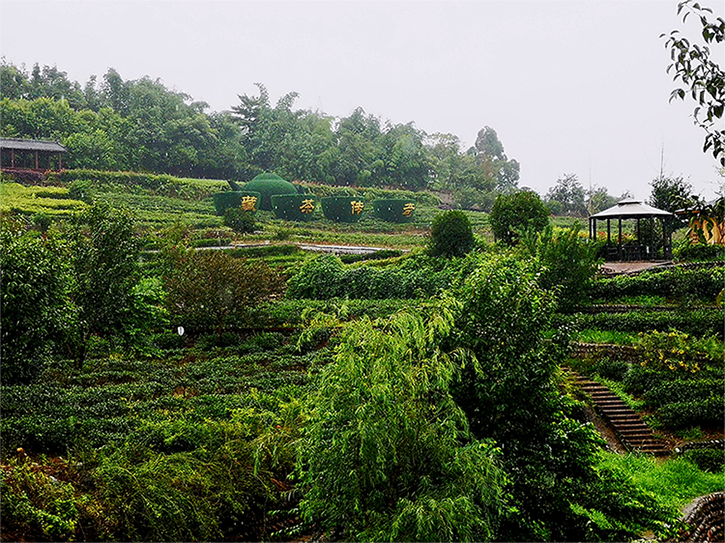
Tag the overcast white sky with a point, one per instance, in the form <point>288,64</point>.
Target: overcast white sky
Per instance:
<point>569,86</point>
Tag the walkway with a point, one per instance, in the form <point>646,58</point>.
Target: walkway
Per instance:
<point>623,268</point>
<point>632,432</point>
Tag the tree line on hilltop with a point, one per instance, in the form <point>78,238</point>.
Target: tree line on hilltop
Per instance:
<point>140,125</point>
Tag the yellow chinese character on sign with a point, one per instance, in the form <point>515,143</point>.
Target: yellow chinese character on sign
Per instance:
<point>307,206</point>
<point>357,207</point>
<point>249,203</point>
<point>408,209</point>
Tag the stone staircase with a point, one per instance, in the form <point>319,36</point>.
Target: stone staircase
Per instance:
<point>634,434</point>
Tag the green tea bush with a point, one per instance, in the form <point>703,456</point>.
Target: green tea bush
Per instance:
<point>710,460</point>
<point>343,208</point>
<point>160,184</point>
<point>211,242</point>
<point>325,277</point>
<point>683,391</point>
<point>696,322</point>
<point>377,255</point>
<point>679,283</point>
<point>394,210</point>
<point>704,413</point>
<point>264,251</point>
<point>294,207</point>
<point>697,252</point>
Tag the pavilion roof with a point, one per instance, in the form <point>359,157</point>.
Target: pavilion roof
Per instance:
<point>629,208</point>
<point>17,144</point>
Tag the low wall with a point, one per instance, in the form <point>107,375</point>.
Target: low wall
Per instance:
<point>705,518</point>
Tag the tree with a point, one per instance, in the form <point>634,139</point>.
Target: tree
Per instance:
<point>510,395</point>
<point>34,276</point>
<point>490,154</point>
<point>567,263</point>
<point>386,454</point>
<point>451,235</point>
<point>598,199</point>
<point>211,286</point>
<point>569,193</point>
<point>105,256</point>
<point>514,213</point>
<point>701,76</point>
<point>670,193</point>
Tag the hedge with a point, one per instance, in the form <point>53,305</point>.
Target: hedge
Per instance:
<point>294,207</point>
<point>343,208</point>
<point>394,209</point>
<point>696,322</point>
<point>235,199</point>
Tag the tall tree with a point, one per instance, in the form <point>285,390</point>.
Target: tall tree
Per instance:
<point>569,195</point>
<point>490,154</point>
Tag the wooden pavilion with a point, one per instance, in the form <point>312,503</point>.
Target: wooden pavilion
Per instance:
<point>35,155</point>
<point>652,236</point>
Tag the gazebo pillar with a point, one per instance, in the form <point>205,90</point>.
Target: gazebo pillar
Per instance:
<point>620,238</point>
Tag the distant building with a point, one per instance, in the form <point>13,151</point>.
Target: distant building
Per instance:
<point>35,155</point>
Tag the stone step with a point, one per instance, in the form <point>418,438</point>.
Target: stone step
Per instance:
<point>627,424</point>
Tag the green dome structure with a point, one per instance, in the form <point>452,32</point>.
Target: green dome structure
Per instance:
<point>269,184</point>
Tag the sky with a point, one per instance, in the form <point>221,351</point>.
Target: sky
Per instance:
<point>571,87</point>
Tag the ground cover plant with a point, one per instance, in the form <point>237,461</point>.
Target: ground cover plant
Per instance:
<point>53,201</point>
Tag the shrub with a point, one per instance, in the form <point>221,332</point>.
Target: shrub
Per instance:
<point>677,351</point>
<point>207,287</point>
<point>568,264</point>
<point>35,279</point>
<point>517,212</point>
<point>394,210</point>
<point>239,220</point>
<point>294,207</point>
<point>451,235</point>
<point>342,208</point>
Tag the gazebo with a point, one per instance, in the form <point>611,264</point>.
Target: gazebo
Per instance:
<point>646,245</point>
<point>23,154</point>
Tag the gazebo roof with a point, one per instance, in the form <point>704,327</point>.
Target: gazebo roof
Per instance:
<point>31,145</point>
<point>629,208</point>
